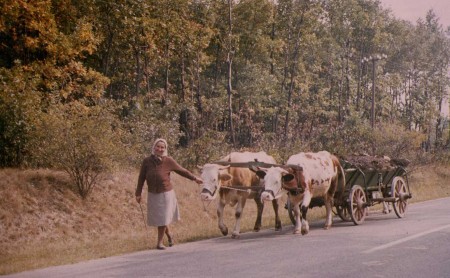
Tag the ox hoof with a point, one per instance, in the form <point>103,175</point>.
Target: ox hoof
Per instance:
<point>224,231</point>
<point>326,227</point>
<point>256,229</point>
<point>296,232</point>
<point>304,232</point>
<point>235,236</point>
<point>278,227</point>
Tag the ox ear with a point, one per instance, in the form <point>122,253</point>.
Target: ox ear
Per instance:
<point>225,177</point>
<point>287,177</point>
<point>260,173</point>
<point>253,168</point>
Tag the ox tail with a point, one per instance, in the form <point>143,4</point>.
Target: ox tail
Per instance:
<point>342,181</point>
<point>340,188</point>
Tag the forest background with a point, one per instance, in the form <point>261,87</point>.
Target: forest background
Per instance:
<point>87,85</point>
<point>97,80</point>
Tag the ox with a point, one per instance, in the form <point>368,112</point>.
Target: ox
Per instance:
<point>215,176</point>
<point>309,178</point>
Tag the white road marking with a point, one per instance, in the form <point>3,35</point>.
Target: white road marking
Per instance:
<point>405,239</point>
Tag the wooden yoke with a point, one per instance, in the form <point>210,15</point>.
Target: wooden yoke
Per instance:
<point>255,164</point>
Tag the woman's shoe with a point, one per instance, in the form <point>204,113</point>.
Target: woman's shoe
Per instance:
<point>161,247</point>
<point>170,240</point>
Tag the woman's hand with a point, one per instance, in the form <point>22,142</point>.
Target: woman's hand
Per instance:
<point>198,180</point>
<point>138,199</point>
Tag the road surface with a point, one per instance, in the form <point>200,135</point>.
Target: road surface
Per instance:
<point>383,246</point>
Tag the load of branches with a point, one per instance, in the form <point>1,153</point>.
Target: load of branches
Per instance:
<point>368,162</point>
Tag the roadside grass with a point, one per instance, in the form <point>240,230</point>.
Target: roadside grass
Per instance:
<point>44,223</point>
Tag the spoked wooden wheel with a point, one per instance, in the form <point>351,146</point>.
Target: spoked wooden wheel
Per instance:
<point>400,192</point>
<point>343,213</point>
<point>358,204</point>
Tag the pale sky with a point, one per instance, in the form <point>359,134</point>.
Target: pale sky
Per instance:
<point>414,9</point>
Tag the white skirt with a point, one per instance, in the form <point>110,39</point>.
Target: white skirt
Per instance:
<point>162,208</point>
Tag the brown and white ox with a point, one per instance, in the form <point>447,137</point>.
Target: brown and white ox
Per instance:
<point>307,177</point>
<point>215,176</point>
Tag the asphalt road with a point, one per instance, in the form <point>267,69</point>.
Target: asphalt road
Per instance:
<point>383,246</point>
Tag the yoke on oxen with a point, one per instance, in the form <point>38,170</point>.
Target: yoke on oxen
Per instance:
<point>255,166</point>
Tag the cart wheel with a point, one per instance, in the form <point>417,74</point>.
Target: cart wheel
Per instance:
<point>357,206</point>
<point>343,213</point>
<point>290,210</point>
<point>399,192</point>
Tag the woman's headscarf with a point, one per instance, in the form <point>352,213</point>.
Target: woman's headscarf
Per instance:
<point>156,142</point>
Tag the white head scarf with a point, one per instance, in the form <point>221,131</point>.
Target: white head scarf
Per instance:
<point>156,142</point>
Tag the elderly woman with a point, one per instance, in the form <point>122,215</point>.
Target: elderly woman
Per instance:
<point>162,205</point>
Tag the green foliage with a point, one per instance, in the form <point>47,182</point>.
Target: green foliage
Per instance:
<point>299,83</point>
<point>395,141</point>
<point>207,148</point>
<point>19,108</point>
<point>82,141</point>
<point>148,121</point>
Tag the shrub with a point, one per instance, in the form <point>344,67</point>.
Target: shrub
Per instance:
<point>83,141</point>
<point>395,141</point>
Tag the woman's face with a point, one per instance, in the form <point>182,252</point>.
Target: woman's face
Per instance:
<point>159,149</point>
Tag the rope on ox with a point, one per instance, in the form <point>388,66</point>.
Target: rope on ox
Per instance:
<point>241,188</point>
<point>205,208</point>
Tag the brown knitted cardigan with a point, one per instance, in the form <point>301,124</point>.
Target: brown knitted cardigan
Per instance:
<point>157,174</point>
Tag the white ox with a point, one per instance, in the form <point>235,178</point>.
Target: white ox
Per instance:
<point>306,176</point>
<point>215,176</point>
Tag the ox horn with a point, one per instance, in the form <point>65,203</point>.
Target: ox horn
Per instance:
<point>225,167</point>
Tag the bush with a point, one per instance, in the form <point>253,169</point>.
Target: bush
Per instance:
<point>395,141</point>
<point>356,136</point>
<point>83,141</point>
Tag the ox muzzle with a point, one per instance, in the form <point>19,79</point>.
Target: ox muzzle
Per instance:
<point>207,194</point>
<point>267,195</point>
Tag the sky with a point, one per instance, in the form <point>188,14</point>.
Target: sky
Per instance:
<point>414,9</point>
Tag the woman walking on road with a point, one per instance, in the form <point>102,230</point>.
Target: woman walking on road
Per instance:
<point>162,205</point>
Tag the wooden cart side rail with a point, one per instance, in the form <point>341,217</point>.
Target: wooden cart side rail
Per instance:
<point>352,175</point>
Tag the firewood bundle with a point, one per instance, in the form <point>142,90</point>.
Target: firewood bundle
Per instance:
<point>379,163</point>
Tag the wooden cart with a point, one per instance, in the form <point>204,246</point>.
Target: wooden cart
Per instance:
<point>365,188</point>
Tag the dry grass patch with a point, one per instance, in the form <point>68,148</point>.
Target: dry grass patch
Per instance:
<point>430,182</point>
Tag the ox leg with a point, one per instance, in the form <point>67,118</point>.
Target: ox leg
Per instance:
<point>277,216</point>
<point>223,228</point>
<point>298,219</point>
<point>386,208</point>
<point>305,204</point>
<point>328,206</point>
<point>239,208</point>
<point>260,207</point>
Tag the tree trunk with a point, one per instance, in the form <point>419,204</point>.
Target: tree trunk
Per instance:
<point>229,86</point>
